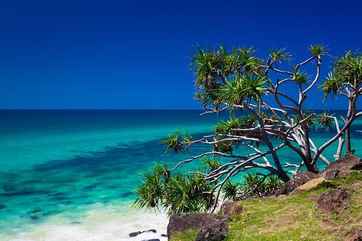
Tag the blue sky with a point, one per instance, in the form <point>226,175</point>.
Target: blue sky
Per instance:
<point>137,54</point>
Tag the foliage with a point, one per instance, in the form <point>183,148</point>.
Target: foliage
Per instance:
<point>242,87</point>
<point>224,146</point>
<point>299,78</point>
<point>214,68</point>
<point>325,120</point>
<point>211,164</point>
<point>279,55</point>
<point>259,185</point>
<point>226,127</point>
<point>317,50</point>
<point>231,191</point>
<point>347,72</point>
<point>174,193</point>
<point>177,142</point>
<point>151,191</point>
<point>253,186</point>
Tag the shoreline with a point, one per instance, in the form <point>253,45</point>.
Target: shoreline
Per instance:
<point>100,223</point>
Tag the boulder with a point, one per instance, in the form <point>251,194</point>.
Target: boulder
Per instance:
<point>296,181</point>
<point>330,174</point>
<point>356,236</point>
<point>313,183</point>
<point>333,201</point>
<point>344,166</point>
<point>134,234</point>
<point>179,223</point>
<point>230,209</point>
<point>213,232</point>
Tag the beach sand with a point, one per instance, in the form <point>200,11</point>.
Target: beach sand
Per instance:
<point>103,223</point>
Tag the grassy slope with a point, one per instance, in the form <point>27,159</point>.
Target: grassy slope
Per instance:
<point>295,217</point>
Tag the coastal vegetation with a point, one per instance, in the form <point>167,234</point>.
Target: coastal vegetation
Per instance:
<point>263,104</point>
<point>295,217</point>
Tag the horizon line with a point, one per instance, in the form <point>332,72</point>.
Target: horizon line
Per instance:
<point>123,109</point>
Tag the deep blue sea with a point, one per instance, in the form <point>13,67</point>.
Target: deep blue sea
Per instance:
<point>66,161</point>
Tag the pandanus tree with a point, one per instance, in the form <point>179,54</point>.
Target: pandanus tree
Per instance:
<point>263,104</point>
<point>346,80</point>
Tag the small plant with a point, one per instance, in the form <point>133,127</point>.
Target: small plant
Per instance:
<point>231,191</point>
<point>175,193</point>
<point>177,142</point>
<point>212,164</point>
<point>259,185</point>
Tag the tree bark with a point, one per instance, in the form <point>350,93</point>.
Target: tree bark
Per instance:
<point>350,114</point>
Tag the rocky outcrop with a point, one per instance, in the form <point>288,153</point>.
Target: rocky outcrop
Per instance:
<point>313,183</point>
<point>342,167</point>
<point>333,201</point>
<point>179,223</point>
<point>215,228</point>
<point>297,180</point>
<point>216,231</point>
<point>356,236</point>
<point>330,174</point>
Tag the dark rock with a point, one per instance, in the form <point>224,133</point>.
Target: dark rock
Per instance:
<point>357,236</point>
<point>179,223</point>
<point>297,180</point>
<point>35,210</point>
<point>345,165</point>
<point>76,222</point>
<point>34,217</point>
<point>333,201</point>
<point>134,234</point>
<point>58,196</point>
<point>126,194</point>
<point>357,167</point>
<point>230,209</point>
<point>154,239</point>
<point>90,187</point>
<point>164,235</point>
<point>216,231</point>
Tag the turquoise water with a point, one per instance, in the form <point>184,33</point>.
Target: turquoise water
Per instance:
<point>55,162</point>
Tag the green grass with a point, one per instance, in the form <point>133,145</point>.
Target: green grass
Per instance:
<point>295,217</point>
<point>187,235</point>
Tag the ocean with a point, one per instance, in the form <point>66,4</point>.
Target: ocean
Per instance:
<point>63,164</point>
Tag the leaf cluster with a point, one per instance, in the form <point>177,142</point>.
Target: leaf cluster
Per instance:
<point>347,72</point>
<point>177,141</point>
<point>223,76</point>
<point>175,193</point>
<point>226,127</point>
<point>254,186</point>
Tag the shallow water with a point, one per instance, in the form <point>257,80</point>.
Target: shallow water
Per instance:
<point>61,165</point>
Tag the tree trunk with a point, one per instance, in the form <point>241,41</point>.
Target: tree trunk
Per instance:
<point>351,112</point>
<point>310,166</point>
<point>280,171</point>
<point>348,141</point>
<point>283,176</point>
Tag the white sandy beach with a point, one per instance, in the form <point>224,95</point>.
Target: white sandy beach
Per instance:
<point>103,223</point>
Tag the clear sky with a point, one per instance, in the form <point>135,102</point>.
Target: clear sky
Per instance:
<point>137,54</point>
